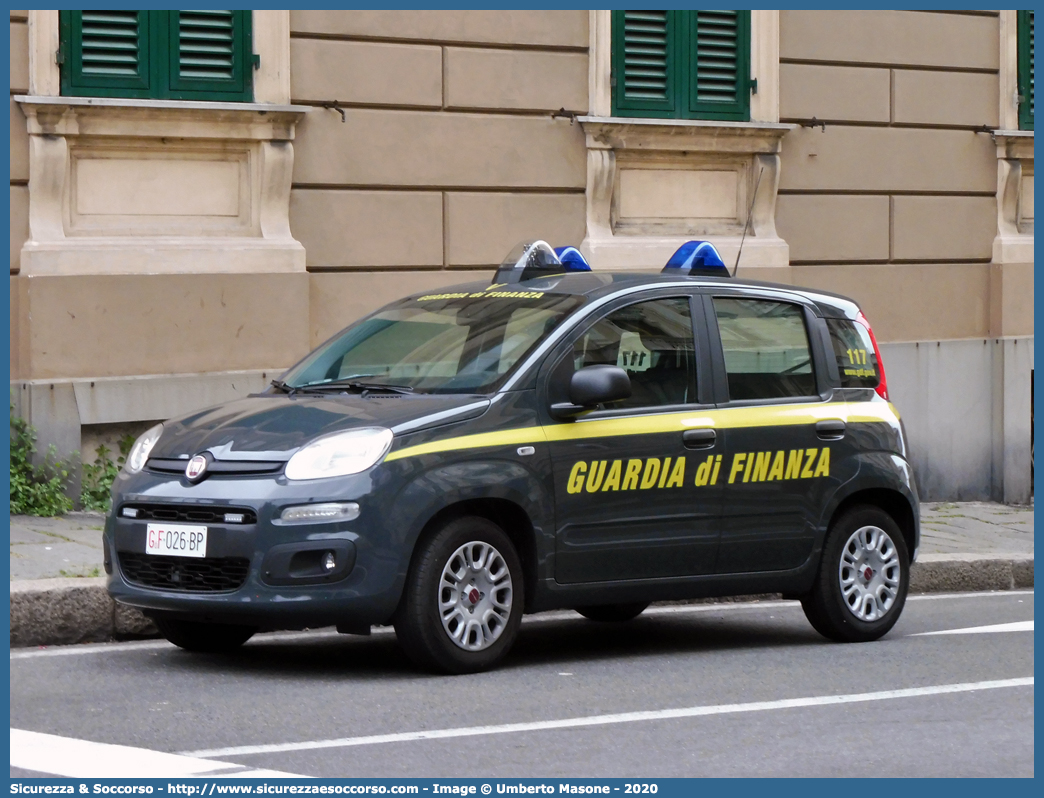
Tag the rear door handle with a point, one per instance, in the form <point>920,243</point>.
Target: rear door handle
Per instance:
<point>831,429</point>
<point>699,438</point>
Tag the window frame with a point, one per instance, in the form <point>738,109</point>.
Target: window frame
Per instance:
<point>1025,69</point>
<point>814,327</point>
<point>159,75</point>
<point>681,65</point>
<point>705,372</point>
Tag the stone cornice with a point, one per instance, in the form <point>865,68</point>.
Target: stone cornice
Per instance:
<point>683,135</point>
<point>1014,240</point>
<point>208,186</point>
<point>1014,144</point>
<point>102,116</point>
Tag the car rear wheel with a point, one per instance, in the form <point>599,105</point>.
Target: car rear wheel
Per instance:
<point>204,637</point>
<point>462,604</point>
<point>863,577</point>
<point>613,613</point>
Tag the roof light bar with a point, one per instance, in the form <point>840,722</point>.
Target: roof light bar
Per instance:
<point>535,259</point>
<point>697,258</point>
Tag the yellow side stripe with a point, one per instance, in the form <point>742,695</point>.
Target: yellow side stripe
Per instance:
<point>508,437</point>
<point>726,418</point>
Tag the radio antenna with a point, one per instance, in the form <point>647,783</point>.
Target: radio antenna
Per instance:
<point>746,224</point>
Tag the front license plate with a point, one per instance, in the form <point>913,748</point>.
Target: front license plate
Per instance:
<point>179,540</point>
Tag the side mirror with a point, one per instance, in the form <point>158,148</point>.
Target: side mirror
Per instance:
<point>594,385</point>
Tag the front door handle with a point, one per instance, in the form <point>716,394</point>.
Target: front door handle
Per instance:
<point>699,438</point>
<point>832,429</point>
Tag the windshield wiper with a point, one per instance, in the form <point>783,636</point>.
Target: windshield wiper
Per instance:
<point>282,386</point>
<point>351,385</point>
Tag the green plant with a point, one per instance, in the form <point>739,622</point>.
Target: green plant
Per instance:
<point>96,492</point>
<point>82,573</point>
<point>36,490</point>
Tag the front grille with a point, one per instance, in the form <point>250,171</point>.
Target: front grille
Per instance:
<point>186,574</point>
<point>194,513</point>
<point>218,468</point>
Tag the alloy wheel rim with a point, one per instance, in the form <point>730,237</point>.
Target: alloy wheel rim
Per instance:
<point>869,574</point>
<point>475,596</point>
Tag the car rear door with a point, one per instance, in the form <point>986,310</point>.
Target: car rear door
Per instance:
<point>786,446</point>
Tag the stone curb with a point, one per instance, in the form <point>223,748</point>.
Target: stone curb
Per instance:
<point>944,573</point>
<point>52,612</point>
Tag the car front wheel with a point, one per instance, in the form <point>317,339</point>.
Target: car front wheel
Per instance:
<point>462,604</point>
<point>863,577</point>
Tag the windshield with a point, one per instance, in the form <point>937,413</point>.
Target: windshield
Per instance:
<point>463,342</point>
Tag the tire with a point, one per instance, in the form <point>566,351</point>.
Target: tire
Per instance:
<point>208,638</point>
<point>843,604</point>
<point>613,613</point>
<point>462,604</point>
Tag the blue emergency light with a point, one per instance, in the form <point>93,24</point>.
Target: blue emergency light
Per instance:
<point>536,259</point>
<point>696,258</point>
<point>572,259</point>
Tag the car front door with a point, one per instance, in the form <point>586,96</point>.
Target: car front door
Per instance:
<point>637,484</point>
<point>786,446</point>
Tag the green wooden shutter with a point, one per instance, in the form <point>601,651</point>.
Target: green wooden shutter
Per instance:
<point>1025,28</point>
<point>719,76</point>
<point>179,55</point>
<point>209,54</point>
<point>681,64</point>
<point>644,53</point>
<point>105,53</point>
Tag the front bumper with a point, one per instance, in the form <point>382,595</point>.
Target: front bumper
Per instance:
<point>261,572</point>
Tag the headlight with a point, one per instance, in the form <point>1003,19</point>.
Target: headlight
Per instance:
<point>139,452</point>
<point>340,454</point>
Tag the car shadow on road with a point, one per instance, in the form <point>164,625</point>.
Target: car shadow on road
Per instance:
<point>557,642</point>
<point>584,640</point>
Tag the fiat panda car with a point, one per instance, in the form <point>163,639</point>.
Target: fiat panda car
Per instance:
<point>560,438</point>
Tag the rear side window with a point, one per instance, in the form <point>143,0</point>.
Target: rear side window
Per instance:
<point>854,351</point>
<point>767,355</point>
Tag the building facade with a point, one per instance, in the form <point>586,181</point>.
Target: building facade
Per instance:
<point>199,198</point>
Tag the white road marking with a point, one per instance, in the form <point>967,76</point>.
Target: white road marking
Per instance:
<point>987,594</point>
<point>544,617</point>
<point>66,756</point>
<point>1017,626</point>
<point>261,773</point>
<point>86,648</point>
<point>623,717</point>
<point>152,645</point>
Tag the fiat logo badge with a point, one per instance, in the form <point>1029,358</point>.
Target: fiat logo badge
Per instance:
<point>196,467</point>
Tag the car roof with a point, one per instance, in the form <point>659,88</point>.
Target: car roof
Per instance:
<point>596,284</point>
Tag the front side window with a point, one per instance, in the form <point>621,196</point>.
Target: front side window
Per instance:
<point>442,343</point>
<point>681,64</point>
<point>767,355</point>
<point>162,55</point>
<point>653,342</point>
<point>1025,33</point>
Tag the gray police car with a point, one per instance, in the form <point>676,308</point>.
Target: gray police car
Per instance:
<point>560,438</point>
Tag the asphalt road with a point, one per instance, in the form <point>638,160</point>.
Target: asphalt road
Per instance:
<point>722,690</point>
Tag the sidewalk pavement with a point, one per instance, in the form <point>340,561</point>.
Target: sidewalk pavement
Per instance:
<point>51,548</point>
<point>58,586</point>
